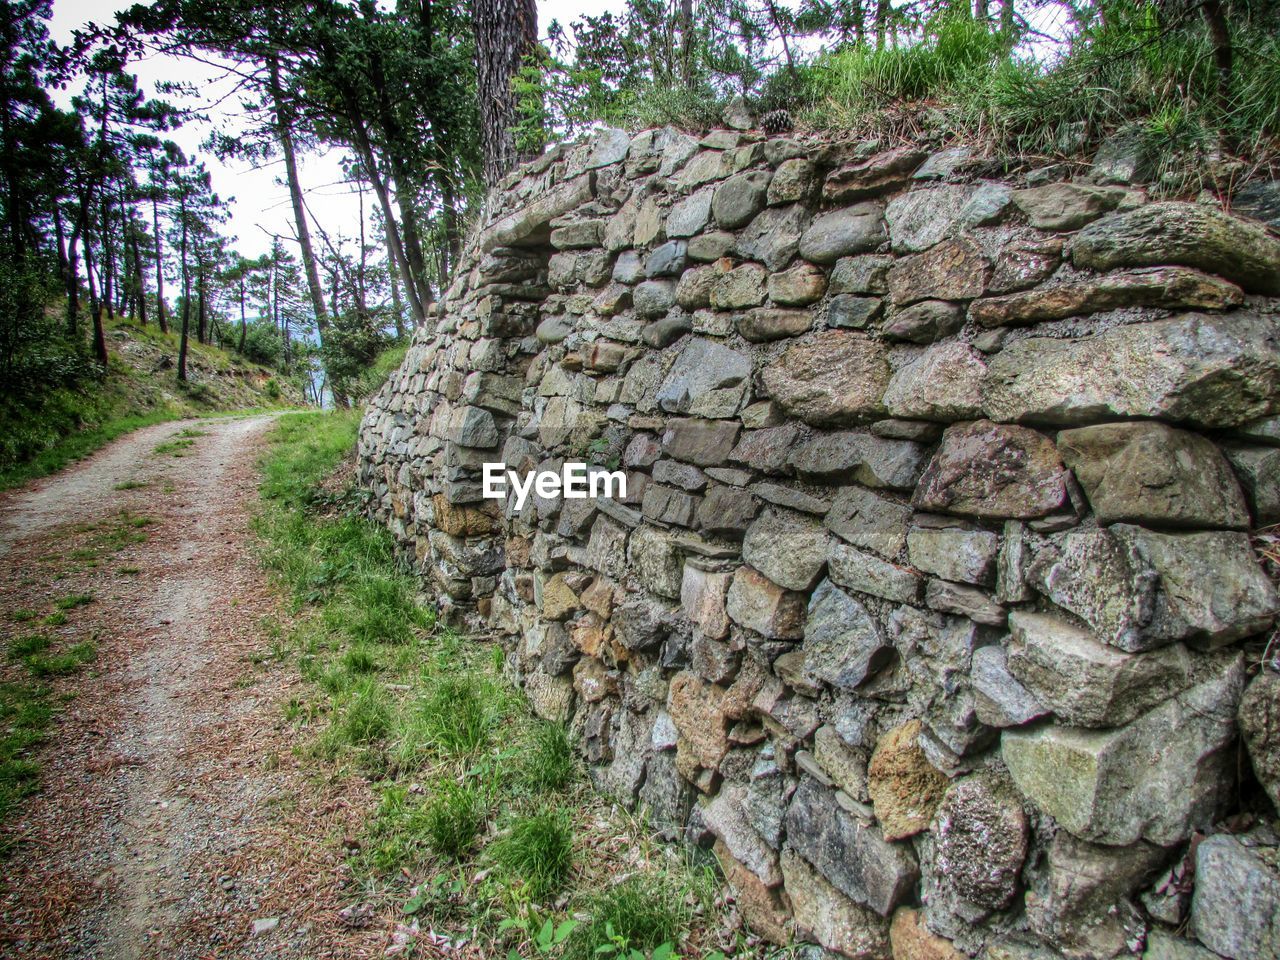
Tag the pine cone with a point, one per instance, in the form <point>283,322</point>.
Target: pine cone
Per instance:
<point>776,122</point>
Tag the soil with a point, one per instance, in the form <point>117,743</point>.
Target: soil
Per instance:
<point>177,815</point>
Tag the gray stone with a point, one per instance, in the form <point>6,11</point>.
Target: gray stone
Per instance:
<point>628,268</point>
<point>702,366</point>
<point>1235,911</point>
<point>1259,471</point>
<point>725,818</point>
<point>854,858</point>
<point>666,331</point>
<point>943,383</point>
<point>793,182</point>
<point>1183,234</point>
<point>830,378</point>
<point>1138,589</point>
<point>1087,683</point>
<point>656,561</point>
<point>868,176</point>
<point>800,286</point>
<point>845,766</point>
<point>726,511</point>
<point>1125,157</point>
<point>856,229</point>
<point>843,644</point>
<point>869,521</point>
<point>964,601</point>
<point>1000,700</point>
<point>943,163</point>
<point>669,506</point>
<point>827,916</point>
<point>1260,729</point>
<point>781,496</point>
<point>923,322</point>
<point>1159,778</point>
<point>952,270</point>
<point>1083,908</point>
<point>787,547</point>
<point>921,218</point>
<point>690,215</point>
<point>707,247</point>
<point>773,237</point>
<point>739,288</point>
<point>653,298</point>
<point>873,461</point>
<point>846,310</point>
<point>1165,946</point>
<point>667,260</point>
<point>768,449</point>
<point>1024,262</point>
<point>693,292</point>
<point>869,574</point>
<point>740,198</point>
<point>980,842</point>
<point>578,235</point>
<point>1168,288</point>
<point>1259,200</point>
<point>703,442</point>
<point>1066,206</point>
<point>473,427</point>
<point>986,469</point>
<point>608,146</point>
<point>954,553</point>
<point>553,330</point>
<point>1151,473</point>
<point>868,273</point>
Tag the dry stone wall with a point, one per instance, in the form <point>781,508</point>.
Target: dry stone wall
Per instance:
<point>928,602</point>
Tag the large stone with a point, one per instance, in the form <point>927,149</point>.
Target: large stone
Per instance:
<point>830,378</point>
<point>702,366</point>
<point>757,603</point>
<point>869,521</point>
<point>653,298</point>
<point>725,817</point>
<point>1260,730</point>
<point>826,916</point>
<point>873,175</point>
<point>740,198</point>
<point>473,427</point>
<point>866,573</point>
<point>919,219</point>
<point>759,905</point>
<point>952,270</point>
<point>1083,906</point>
<point>767,449</point>
<point>999,699</point>
<point>741,287</point>
<point>905,787</point>
<point>856,313</point>
<point>1024,262</point>
<point>1205,370</point>
<point>980,842</point>
<point>843,456</point>
<point>1259,200</point>
<point>690,215</point>
<point>843,644</point>
<point>1235,911</point>
<point>698,712</point>
<point>1185,234</point>
<point>986,469</point>
<point>1138,589</point>
<point>1165,946</point>
<point>793,182</point>
<point>1258,469</point>
<point>923,322</point>
<point>773,236</point>
<point>703,442</point>
<point>1151,473</point>
<point>1066,206</point>
<point>667,260</point>
<point>1169,288</point>
<point>765,324</point>
<point>800,286</point>
<point>857,229</point>
<point>943,383</point>
<point>854,858</point>
<point>957,554</point>
<point>1087,683</point>
<point>1159,778</point>
<point>868,273</point>
<point>787,547</point>
<point>656,561</point>
<point>528,224</point>
<point>702,600</point>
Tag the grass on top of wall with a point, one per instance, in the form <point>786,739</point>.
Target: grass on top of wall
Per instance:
<point>485,828</point>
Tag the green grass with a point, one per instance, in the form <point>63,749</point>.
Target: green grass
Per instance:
<point>643,912</point>
<point>73,600</point>
<point>480,805</point>
<point>537,852</point>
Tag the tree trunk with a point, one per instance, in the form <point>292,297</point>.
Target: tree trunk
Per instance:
<point>139,279</point>
<point>882,21</point>
<point>1215,19</point>
<point>186,295</point>
<point>155,226</point>
<point>505,32</point>
<point>202,318</point>
<point>244,322</point>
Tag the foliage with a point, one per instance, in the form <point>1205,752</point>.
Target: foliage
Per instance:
<point>453,818</point>
<point>641,913</point>
<point>537,851</point>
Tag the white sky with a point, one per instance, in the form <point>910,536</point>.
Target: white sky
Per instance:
<point>261,206</point>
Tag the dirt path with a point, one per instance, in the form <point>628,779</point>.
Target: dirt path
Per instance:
<point>174,819</point>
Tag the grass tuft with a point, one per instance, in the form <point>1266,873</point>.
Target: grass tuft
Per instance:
<point>548,763</point>
<point>644,911</point>
<point>537,852</point>
<point>453,819</point>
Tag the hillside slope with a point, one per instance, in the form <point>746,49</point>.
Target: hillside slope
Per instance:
<point>42,432</point>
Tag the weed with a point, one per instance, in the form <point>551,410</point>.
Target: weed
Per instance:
<point>128,571</point>
<point>55,619</point>
<point>537,851</point>
<point>22,647</point>
<point>643,912</point>
<point>73,600</point>
<point>174,447</point>
<point>548,762</point>
<point>61,664</point>
<point>132,484</point>
<point>453,818</point>
<point>22,616</point>
<point>365,717</point>
<point>360,660</point>
<point>453,718</point>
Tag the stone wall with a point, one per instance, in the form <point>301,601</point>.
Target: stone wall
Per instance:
<point>930,603</point>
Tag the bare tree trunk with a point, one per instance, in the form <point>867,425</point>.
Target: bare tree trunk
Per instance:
<point>1215,19</point>
<point>505,31</point>
<point>155,226</point>
<point>186,295</point>
<point>881,21</point>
